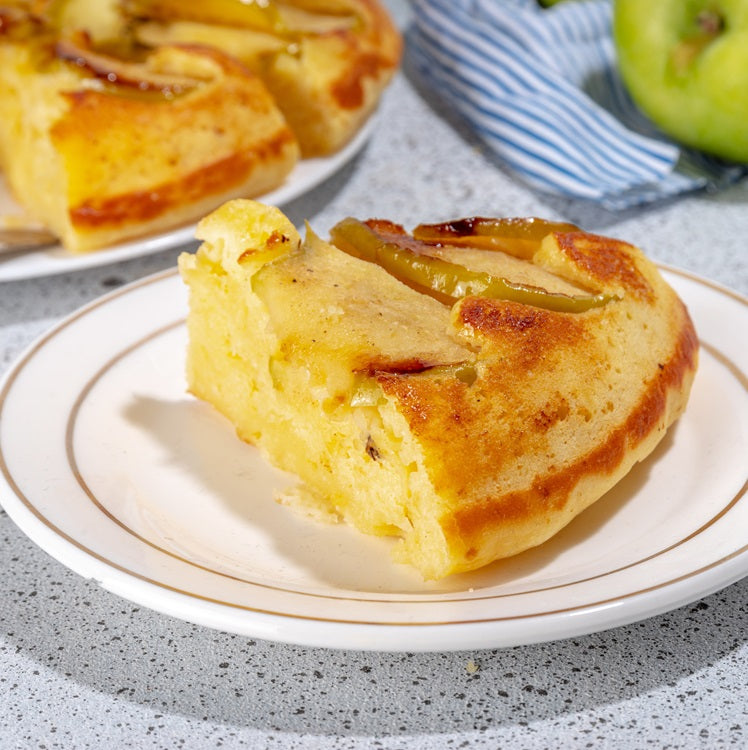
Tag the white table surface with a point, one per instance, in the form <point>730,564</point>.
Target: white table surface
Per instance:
<point>81,668</point>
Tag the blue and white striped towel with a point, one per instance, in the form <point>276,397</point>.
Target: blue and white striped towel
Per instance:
<point>540,87</point>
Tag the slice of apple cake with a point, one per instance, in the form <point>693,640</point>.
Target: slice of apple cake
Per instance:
<point>102,146</point>
<point>468,388</point>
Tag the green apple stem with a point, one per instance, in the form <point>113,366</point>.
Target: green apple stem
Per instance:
<point>710,22</point>
<point>709,25</point>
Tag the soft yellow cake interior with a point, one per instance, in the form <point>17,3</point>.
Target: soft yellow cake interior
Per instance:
<point>469,432</point>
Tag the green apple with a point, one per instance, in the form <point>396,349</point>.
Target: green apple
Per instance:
<point>685,64</point>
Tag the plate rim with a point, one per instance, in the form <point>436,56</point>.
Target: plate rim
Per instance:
<point>356,634</point>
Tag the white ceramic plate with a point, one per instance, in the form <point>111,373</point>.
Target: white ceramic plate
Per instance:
<point>108,465</point>
<point>307,174</point>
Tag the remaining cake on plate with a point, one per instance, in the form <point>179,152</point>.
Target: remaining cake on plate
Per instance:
<point>100,148</point>
<point>122,119</point>
<point>467,391</point>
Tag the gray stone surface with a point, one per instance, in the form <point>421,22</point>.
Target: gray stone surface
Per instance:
<point>81,668</point>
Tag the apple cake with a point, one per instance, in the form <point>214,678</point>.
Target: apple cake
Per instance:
<point>467,388</point>
<point>127,117</point>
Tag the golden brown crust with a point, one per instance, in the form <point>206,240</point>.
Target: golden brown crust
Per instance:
<point>221,176</point>
<point>469,427</point>
<point>605,260</point>
<point>552,491</point>
<point>372,51</point>
<point>524,333</point>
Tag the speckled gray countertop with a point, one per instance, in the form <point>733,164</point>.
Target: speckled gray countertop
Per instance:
<point>81,668</point>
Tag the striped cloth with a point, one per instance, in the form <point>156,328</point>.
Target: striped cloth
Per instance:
<point>540,88</point>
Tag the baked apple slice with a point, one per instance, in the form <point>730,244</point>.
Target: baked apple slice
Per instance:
<point>413,262</point>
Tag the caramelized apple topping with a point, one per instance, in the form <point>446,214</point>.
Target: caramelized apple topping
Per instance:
<point>113,70</point>
<point>262,15</point>
<point>319,16</point>
<point>444,280</point>
<point>518,237</point>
